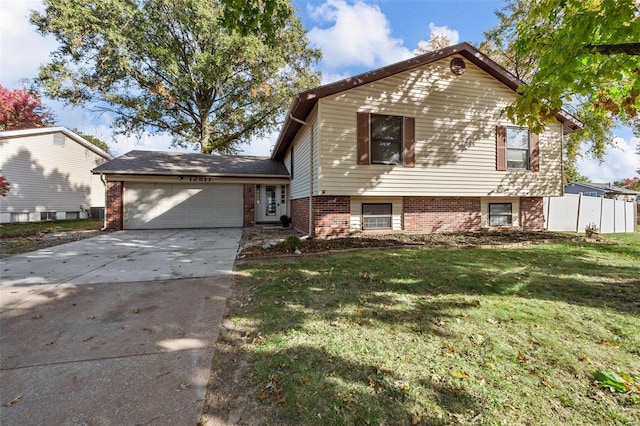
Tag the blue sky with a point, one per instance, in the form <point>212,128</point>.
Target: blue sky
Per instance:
<point>354,36</point>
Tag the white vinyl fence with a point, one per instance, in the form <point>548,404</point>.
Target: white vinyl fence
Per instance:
<point>573,212</point>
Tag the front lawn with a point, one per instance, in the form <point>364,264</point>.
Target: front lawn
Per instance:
<point>17,238</point>
<point>434,336</point>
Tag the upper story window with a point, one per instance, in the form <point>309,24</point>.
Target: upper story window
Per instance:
<point>386,139</point>
<point>517,148</point>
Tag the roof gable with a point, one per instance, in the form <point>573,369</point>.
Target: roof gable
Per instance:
<point>7,134</point>
<point>304,102</point>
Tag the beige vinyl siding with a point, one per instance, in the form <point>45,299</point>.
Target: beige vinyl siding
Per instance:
<point>356,211</point>
<point>302,152</point>
<point>515,209</point>
<point>455,119</point>
<point>48,176</point>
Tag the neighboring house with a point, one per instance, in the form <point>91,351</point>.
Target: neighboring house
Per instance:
<point>50,173</point>
<point>418,146</point>
<point>605,190</point>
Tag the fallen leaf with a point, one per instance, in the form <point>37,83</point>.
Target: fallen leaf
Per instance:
<point>459,374</point>
<point>416,418</point>
<point>522,357</point>
<point>13,401</point>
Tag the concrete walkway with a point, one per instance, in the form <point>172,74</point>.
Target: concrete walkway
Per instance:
<point>115,329</point>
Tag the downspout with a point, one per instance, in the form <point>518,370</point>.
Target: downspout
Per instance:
<point>304,123</point>
<point>106,197</point>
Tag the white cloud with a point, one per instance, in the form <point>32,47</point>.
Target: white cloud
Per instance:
<point>360,35</point>
<point>620,162</point>
<point>22,49</point>
<point>436,32</point>
<point>330,77</point>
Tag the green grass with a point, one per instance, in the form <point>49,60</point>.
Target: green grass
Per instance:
<point>16,238</point>
<point>443,336</point>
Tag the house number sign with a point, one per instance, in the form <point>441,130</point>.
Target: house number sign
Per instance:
<point>196,178</point>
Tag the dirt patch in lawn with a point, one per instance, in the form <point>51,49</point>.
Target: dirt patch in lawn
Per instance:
<point>257,243</point>
<point>17,245</point>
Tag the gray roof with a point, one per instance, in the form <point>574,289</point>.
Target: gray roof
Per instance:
<point>179,163</point>
<point>606,187</point>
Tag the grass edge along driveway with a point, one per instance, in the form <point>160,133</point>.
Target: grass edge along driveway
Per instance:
<point>434,336</point>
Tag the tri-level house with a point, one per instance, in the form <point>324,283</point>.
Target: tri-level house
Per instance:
<point>419,146</point>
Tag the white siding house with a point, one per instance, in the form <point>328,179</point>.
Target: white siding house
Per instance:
<point>50,174</point>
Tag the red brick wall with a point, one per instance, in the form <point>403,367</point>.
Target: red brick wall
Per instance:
<point>300,214</point>
<point>249,209</point>
<point>331,215</point>
<point>531,213</point>
<point>113,210</point>
<point>441,214</point>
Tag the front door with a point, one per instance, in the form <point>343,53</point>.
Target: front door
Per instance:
<point>271,202</point>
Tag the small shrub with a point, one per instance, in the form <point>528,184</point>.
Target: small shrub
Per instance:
<point>292,242</point>
<point>591,230</point>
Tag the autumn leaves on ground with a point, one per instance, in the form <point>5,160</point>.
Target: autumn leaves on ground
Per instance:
<point>435,336</point>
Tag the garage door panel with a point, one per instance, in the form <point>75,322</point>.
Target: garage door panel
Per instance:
<point>158,205</point>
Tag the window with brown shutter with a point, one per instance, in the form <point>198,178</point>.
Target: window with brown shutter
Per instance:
<point>501,148</point>
<point>385,139</point>
<point>363,129</point>
<point>409,142</point>
<point>516,149</point>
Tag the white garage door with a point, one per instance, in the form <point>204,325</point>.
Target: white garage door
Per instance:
<point>163,205</point>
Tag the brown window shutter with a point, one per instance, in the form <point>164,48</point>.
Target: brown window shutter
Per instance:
<point>501,148</point>
<point>364,139</point>
<point>409,142</point>
<point>534,156</point>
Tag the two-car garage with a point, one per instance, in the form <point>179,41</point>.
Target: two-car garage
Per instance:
<point>149,205</point>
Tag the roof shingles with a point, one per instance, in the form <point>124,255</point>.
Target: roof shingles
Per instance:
<point>178,163</point>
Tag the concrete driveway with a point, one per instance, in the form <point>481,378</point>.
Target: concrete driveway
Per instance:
<point>115,329</point>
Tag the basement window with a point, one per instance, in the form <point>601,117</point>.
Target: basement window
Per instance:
<point>500,214</point>
<point>376,216</point>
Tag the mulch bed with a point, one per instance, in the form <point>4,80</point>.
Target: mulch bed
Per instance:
<point>252,240</point>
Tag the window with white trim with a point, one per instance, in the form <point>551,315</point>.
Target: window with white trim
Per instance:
<point>517,148</point>
<point>386,139</point>
<point>376,215</point>
<point>500,214</point>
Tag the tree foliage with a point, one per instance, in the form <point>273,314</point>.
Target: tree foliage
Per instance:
<point>94,140</point>
<point>571,54</point>
<point>629,183</point>
<point>21,109</point>
<point>5,186</point>
<point>210,73</point>
<point>566,40</point>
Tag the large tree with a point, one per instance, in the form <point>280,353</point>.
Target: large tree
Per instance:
<point>22,109</point>
<point>211,73</point>
<point>573,54</point>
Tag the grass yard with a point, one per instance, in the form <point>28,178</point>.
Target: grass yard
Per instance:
<point>436,336</point>
<point>16,238</point>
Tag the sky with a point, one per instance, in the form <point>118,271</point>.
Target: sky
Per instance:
<point>354,37</point>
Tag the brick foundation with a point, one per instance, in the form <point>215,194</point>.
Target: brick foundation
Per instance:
<point>249,207</point>
<point>114,207</point>
<point>441,214</point>
<point>532,213</point>
<point>331,216</point>
<point>300,214</point>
